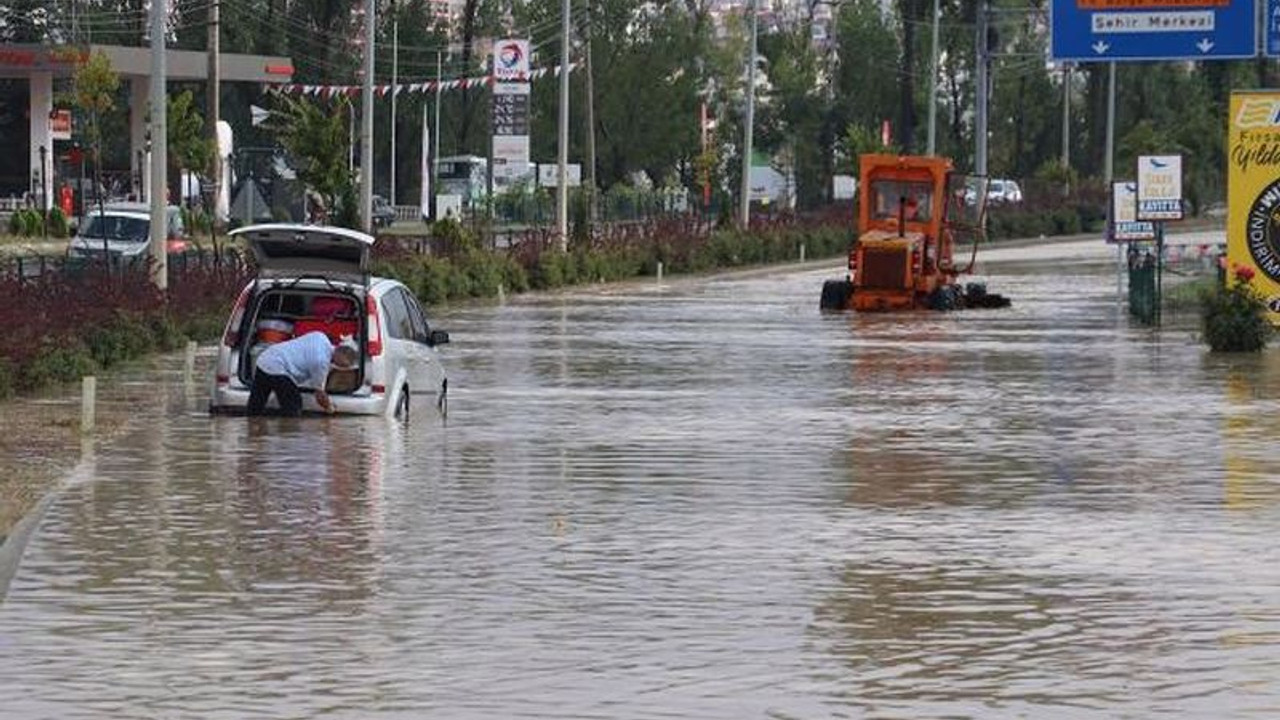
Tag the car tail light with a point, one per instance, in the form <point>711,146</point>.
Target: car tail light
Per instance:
<point>379,389</point>
<point>373,326</point>
<point>231,337</point>
<point>223,379</point>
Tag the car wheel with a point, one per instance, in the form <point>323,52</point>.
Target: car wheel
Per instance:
<point>402,405</point>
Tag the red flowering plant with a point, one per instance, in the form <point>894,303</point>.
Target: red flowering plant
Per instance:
<point>70,322</point>
<point>1235,314</point>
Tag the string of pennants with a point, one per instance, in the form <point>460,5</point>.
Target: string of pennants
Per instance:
<point>329,91</point>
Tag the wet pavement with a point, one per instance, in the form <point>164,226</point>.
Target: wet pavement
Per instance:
<point>700,500</point>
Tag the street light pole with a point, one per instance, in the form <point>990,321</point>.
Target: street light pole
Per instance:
<point>435,141</point>
<point>395,79</point>
<point>215,106</point>
<point>562,161</point>
<point>159,147</point>
<point>744,218</point>
<point>933,81</point>
<point>1066,116</point>
<point>980,118</point>
<point>366,121</point>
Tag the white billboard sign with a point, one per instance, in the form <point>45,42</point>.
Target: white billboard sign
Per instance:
<point>1125,226</point>
<point>549,174</point>
<point>1159,187</point>
<point>510,156</point>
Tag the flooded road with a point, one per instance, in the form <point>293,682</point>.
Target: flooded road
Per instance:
<point>704,500</point>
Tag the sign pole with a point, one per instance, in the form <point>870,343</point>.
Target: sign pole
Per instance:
<point>1159,271</point>
<point>1108,168</point>
<point>562,154</point>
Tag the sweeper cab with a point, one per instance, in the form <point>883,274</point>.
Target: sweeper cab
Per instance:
<point>913,211</point>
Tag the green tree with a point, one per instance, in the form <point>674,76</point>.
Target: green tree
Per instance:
<point>93,91</point>
<point>865,87</point>
<point>796,112</point>
<point>316,140</point>
<point>189,147</point>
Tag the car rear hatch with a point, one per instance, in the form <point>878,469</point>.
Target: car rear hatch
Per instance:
<point>299,251</point>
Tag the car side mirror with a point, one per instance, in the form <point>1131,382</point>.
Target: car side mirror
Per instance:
<point>438,337</point>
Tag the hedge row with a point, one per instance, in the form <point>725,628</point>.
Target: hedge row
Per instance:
<point>532,263</point>
<point>64,325</point>
<point>1016,222</point>
<point>28,222</point>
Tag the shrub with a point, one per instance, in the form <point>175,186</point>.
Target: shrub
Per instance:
<point>7,380</point>
<point>26,222</point>
<point>58,225</point>
<point>58,362</point>
<point>64,325</point>
<point>1235,315</point>
<point>449,237</point>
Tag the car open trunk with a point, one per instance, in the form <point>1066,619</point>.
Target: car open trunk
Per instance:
<point>282,311</point>
<point>304,251</point>
<point>310,278</point>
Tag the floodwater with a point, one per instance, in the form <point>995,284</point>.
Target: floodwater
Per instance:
<point>700,500</point>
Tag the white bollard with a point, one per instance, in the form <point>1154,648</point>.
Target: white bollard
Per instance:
<point>502,294</point>
<point>659,271</point>
<point>189,364</point>
<point>801,252</point>
<point>88,397</point>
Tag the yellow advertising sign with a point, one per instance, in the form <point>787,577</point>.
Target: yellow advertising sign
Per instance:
<point>1253,190</point>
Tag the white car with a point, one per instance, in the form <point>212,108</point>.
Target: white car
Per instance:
<point>1004,191</point>
<point>312,278</point>
<point>122,232</point>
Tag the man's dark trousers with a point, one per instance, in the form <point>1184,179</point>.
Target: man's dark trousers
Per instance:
<point>286,391</point>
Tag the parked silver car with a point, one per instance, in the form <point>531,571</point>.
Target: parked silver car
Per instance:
<point>315,278</point>
<point>122,232</point>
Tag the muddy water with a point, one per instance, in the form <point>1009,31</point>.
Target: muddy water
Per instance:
<point>700,501</point>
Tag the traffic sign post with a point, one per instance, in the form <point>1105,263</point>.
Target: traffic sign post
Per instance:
<point>1159,199</point>
<point>1120,30</point>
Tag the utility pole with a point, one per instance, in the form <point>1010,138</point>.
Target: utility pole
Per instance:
<point>215,105</point>
<point>589,172</point>
<point>562,187</point>
<point>395,87</point>
<point>435,141</point>
<point>1108,170</point>
<point>933,81</point>
<point>980,118</point>
<point>1066,116</point>
<point>1108,161</point>
<point>159,147</point>
<point>366,121</point>
<point>744,213</point>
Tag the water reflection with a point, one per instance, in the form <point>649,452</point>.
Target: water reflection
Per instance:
<point>701,500</point>
<point>1251,420</point>
<point>214,555</point>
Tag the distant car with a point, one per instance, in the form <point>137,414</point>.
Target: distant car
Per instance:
<point>1004,191</point>
<point>315,278</point>
<point>121,233</point>
<point>384,214</point>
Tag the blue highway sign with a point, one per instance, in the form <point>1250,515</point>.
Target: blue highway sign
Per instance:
<point>1127,30</point>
